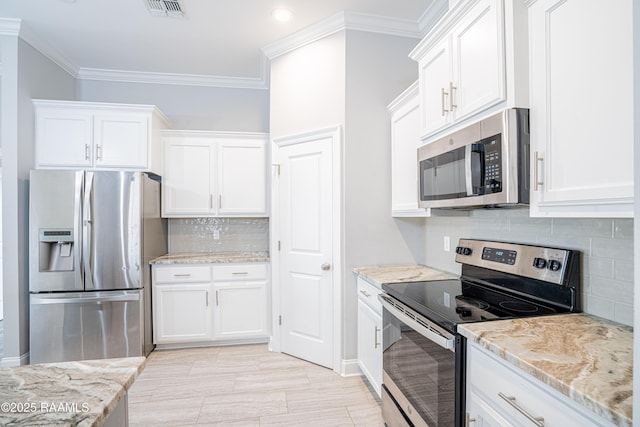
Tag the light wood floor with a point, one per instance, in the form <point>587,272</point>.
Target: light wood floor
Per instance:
<point>246,386</point>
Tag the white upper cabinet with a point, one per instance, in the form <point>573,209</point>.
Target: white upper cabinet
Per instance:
<point>581,108</point>
<point>405,139</point>
<point>92,135</point>
<point>473,61</point>
<point>214,174</point>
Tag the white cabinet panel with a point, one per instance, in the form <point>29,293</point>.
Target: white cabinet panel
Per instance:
<point>182,313</point>
<point>581,108</point>
<point>93,135</point>
<point>470,63</point>
<point>241,178</point>
<point>370,333</point>
<point>214,174</point>
<point>241,310</point>
<point>189,180</point>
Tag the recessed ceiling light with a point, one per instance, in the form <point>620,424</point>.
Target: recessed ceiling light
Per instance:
<point>282,15</point>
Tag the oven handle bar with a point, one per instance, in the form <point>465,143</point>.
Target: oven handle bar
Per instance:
<point>408,317</point>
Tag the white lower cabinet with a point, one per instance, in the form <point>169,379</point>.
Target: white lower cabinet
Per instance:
<point>499,394</point>
<point>209,303</point>
<point>370,333</point>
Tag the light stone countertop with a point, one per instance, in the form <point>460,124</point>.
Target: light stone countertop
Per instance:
<point>211,258</point>
<point>584,357</point>
<point>82,393</point>
<point>379,274</point>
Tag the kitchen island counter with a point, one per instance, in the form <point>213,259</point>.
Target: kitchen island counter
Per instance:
<point>379,274</point>
<point>211,258</point>
<point>584,357</point>
<point>82,393</point>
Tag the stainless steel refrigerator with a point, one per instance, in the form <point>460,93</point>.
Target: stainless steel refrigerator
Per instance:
<point>92,235</point>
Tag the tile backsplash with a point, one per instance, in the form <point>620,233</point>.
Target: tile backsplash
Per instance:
<point>235,235</point>
<point>606,244</point>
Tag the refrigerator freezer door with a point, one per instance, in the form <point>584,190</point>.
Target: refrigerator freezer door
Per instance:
<point>112,221</point>
<point>83,326</point>
<point>55,237</point>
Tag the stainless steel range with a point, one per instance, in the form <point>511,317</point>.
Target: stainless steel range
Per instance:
<point>424,356</point>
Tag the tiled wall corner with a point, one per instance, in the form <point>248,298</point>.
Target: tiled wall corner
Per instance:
<point>236,235</point>
<point>606,245</point>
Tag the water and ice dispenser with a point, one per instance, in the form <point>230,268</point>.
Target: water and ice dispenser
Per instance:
<point>56,250</point>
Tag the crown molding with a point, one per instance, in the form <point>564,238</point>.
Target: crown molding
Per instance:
<point>202,80</point>
<point>432,15</point>
<point>10,27</point>
<point>339,22</point>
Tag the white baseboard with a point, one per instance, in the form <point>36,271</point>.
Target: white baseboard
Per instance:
<point>15,361</point>
<point>350,368</point>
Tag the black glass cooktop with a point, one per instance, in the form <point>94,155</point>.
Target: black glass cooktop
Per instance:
<point>452,302</point>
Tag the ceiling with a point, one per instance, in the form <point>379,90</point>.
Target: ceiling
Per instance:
<point>222,38</point>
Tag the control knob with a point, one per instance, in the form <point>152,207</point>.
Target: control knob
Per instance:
<point>463,251</point>
<point>539,263</point>
<point>554,265</point>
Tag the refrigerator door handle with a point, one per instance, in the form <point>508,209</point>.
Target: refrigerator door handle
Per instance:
<point>35,299</point>
<point>87,231</point>
<point>78,234</point>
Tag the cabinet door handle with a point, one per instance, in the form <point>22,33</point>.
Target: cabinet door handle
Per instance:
<point>452,105</point>
<point>536,171</point>
<point>511,400</point>
<point>87,155</point>
<point>365,293</point>
<point>207,298</point>
<point>220,201</point>
<point>210,201</point>
<point>98,152</point>
<point>376,343</point>
<point>444,107</point>
<point>217,298</point>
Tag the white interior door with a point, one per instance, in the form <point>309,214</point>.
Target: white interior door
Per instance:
<point>305,220</point>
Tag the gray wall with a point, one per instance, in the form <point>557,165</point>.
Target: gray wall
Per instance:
<point>26,74</point>
<point>189,107</point>
<point>377,71</point>
<point>606,244</point>
<point>636,133</point>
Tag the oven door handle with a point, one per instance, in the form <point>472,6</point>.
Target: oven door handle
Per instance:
<point>426,330</point>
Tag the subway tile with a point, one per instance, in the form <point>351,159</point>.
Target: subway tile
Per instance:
<point>612,248</point>
<point>593,227</point>
<point>623,270</point>
<point>597,306</point>
<point>623,313</point>
<point>613,290</point>
<point>598,267</point>
<point>623,228</point>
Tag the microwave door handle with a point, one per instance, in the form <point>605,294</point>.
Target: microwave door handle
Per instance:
<point>467,169</point>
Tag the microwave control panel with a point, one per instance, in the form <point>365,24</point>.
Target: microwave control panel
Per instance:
<point>492,164</point>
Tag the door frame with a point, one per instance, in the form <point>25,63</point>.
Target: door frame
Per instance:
<point>335,133</point>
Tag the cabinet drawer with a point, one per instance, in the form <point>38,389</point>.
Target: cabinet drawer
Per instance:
<point>517,397</point>
<point>369,294</point>
<point>239,272</point>
<point>182,274</point>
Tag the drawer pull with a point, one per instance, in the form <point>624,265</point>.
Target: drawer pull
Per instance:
<point>239,273</point>
<point>182,275</point>
<point>365,293</point>
<point>511,400</point>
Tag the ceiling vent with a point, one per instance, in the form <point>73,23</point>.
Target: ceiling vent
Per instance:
<point>164,8</point>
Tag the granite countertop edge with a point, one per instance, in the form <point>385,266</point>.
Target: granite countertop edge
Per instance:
<point>534,363</point>
<point>100,384</point>
<point>400,273</point>
<point>210,258</point>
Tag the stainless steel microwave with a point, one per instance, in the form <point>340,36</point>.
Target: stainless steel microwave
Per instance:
<point>485,164</point>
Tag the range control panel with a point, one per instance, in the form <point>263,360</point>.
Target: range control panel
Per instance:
<point>536,262</point>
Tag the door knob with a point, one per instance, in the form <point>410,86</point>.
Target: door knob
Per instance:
<point>326,266</point>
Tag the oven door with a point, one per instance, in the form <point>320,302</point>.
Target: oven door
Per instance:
<point>423,370</point>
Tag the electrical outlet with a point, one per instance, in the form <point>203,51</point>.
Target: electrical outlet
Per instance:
<point>447,244</point>
<point>216,234</point>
